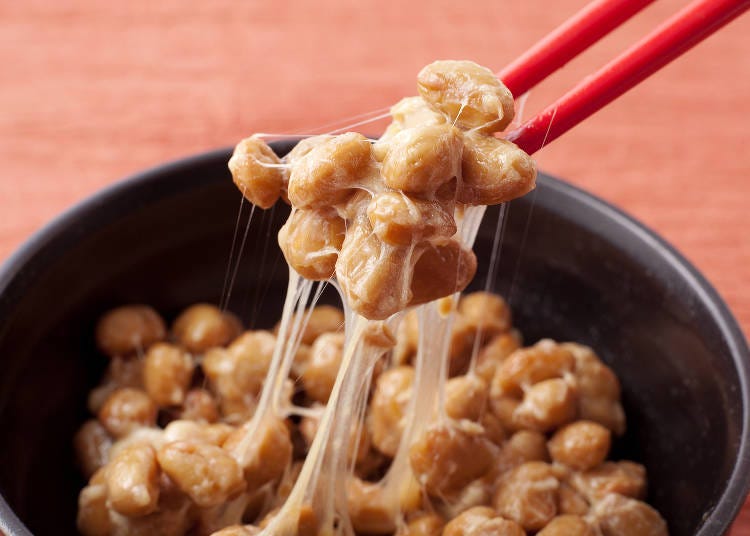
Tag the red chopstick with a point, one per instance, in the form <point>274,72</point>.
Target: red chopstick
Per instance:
<point>574,36</point>
<point>678,34</point>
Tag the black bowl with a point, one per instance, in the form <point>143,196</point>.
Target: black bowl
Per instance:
<point>573,268</point>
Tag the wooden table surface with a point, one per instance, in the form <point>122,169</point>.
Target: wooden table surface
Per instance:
<point>91,91</point>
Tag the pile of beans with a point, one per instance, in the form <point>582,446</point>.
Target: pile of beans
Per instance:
<point>522,449</point>
<point>381,216</point>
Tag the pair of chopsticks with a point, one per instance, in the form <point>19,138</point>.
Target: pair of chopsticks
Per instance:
<point>674,37</point>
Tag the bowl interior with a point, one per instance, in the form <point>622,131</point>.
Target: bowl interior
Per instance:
<point>572,268</point>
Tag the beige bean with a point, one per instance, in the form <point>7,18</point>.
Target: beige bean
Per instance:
<point>238,530</point>
<point>205,472</point>
<point>236,374</point>
<point>568,525</point>
<point>129,329</point>
<point>581,445</point>
<point>528,495</point>
<point>133,481</point>
<point>173,517</point>
<point>121,372</point>
<point>522,447</point>
<point>547,405</point>
<point>368,508</point>
<point>150,436</point>
<point>623,477</point>
<point>569,501</point>
<point>527,366</point>
<point>407,339</point>
<point>414,111</point>
<point>311,241</point>
<point>92,444</point>
<point>99,395</point>
<point>444,267</point>
<point>407,113</point>
<point>380,147</point>
<point>421,159</point>
<point>236,394</point>
<point>493,428</point>
<point>449,456</point>
<point>328,173</point>
<point>267,454</point>
<point>481,521</point>
<point>306,522</point>
<point>371,273</point>
<point>378,337</point>
<point>476,493</point>
<point>494,353</point>
<point>494,171</point>
<point>422,524</point>
<point>93,512</point>
<point>257,172</point>
<point>623,516</point>
<point>603,410</point>
<point>400,220</point>
<point>388,406</point>
<point>487,311</point>
<point>184,430</point>
<point>203,326</point>
<point>127,410</point>
<point>301,357</point>
<point>252,353</point>
<point>355,206</point>
<point>323,319</point>
<point>372,466</point>
<point>599,389</point>
<point>319,375</point>
<point>594,377</point>
<point>527,446</point>
<point>466,397</point>
<point>504,408</point>
<point>359,437</point>
<point>167,372</point>
<point>470,95</point>
<point>304,146</point>
<point>199,405</point>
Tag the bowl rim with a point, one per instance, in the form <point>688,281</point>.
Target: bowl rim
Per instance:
<point>733,496</point>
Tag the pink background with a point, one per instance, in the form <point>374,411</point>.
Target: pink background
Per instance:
<point>91,91</point>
